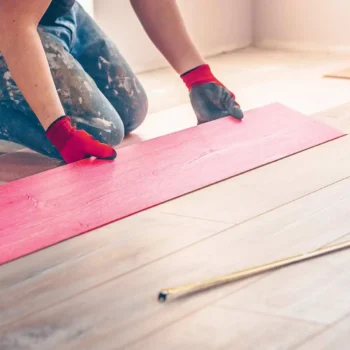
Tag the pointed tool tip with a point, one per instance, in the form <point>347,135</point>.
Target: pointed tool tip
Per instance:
<point>162,297</point>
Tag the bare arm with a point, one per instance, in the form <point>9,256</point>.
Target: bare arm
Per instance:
<point>25,56</point>
<point>163,23</point>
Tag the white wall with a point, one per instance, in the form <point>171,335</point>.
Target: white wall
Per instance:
<point>215,25</point>
<point>311,25</point>
<point>88,6</point>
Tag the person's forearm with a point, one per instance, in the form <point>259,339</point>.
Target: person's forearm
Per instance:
<point>26,59</point>
<point>163,23</point>
<point>24,54</point>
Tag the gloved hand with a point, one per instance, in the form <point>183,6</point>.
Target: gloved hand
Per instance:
<point>209,97</point>
<point>74,145</point>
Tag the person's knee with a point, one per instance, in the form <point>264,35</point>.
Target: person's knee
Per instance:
<point>113,133</point>
<point>106,130</point>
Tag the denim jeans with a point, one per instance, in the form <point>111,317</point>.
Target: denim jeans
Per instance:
<point>97,87</point>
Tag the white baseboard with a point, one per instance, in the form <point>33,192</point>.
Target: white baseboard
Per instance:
<point>300,46</point>
<point>160,62</point>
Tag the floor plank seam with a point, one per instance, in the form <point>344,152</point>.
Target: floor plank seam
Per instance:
<point>283,317</point>
<point>339,238</point>
<point>318,212</point>
<point>265,212</point>
<point>100,284</point>
<point>197,218</point>
<point>320,332</point>
<point>193,312</point>
<point>81,256</point>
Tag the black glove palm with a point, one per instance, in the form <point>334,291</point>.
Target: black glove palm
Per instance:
<point>211,101</point>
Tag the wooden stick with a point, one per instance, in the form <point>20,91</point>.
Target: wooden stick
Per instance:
<point>237,275</point>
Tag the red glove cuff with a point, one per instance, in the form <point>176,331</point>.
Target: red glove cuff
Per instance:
<point>202,75</point>
<point>198,76</point>
<point>60,132</point>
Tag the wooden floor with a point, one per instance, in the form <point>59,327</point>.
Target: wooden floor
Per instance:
<point>99,290</point>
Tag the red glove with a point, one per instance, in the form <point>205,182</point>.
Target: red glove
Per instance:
<point>74,145</point>
<point>209,97</point>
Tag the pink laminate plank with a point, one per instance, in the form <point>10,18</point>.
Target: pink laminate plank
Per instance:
<point>47,208</point>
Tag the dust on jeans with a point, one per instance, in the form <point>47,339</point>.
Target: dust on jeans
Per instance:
<point>117,82</point>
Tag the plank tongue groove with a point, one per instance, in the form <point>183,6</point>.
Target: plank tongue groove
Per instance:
<point>44,209</point>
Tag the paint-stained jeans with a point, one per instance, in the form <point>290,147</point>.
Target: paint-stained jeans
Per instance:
<point>95,84</point>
